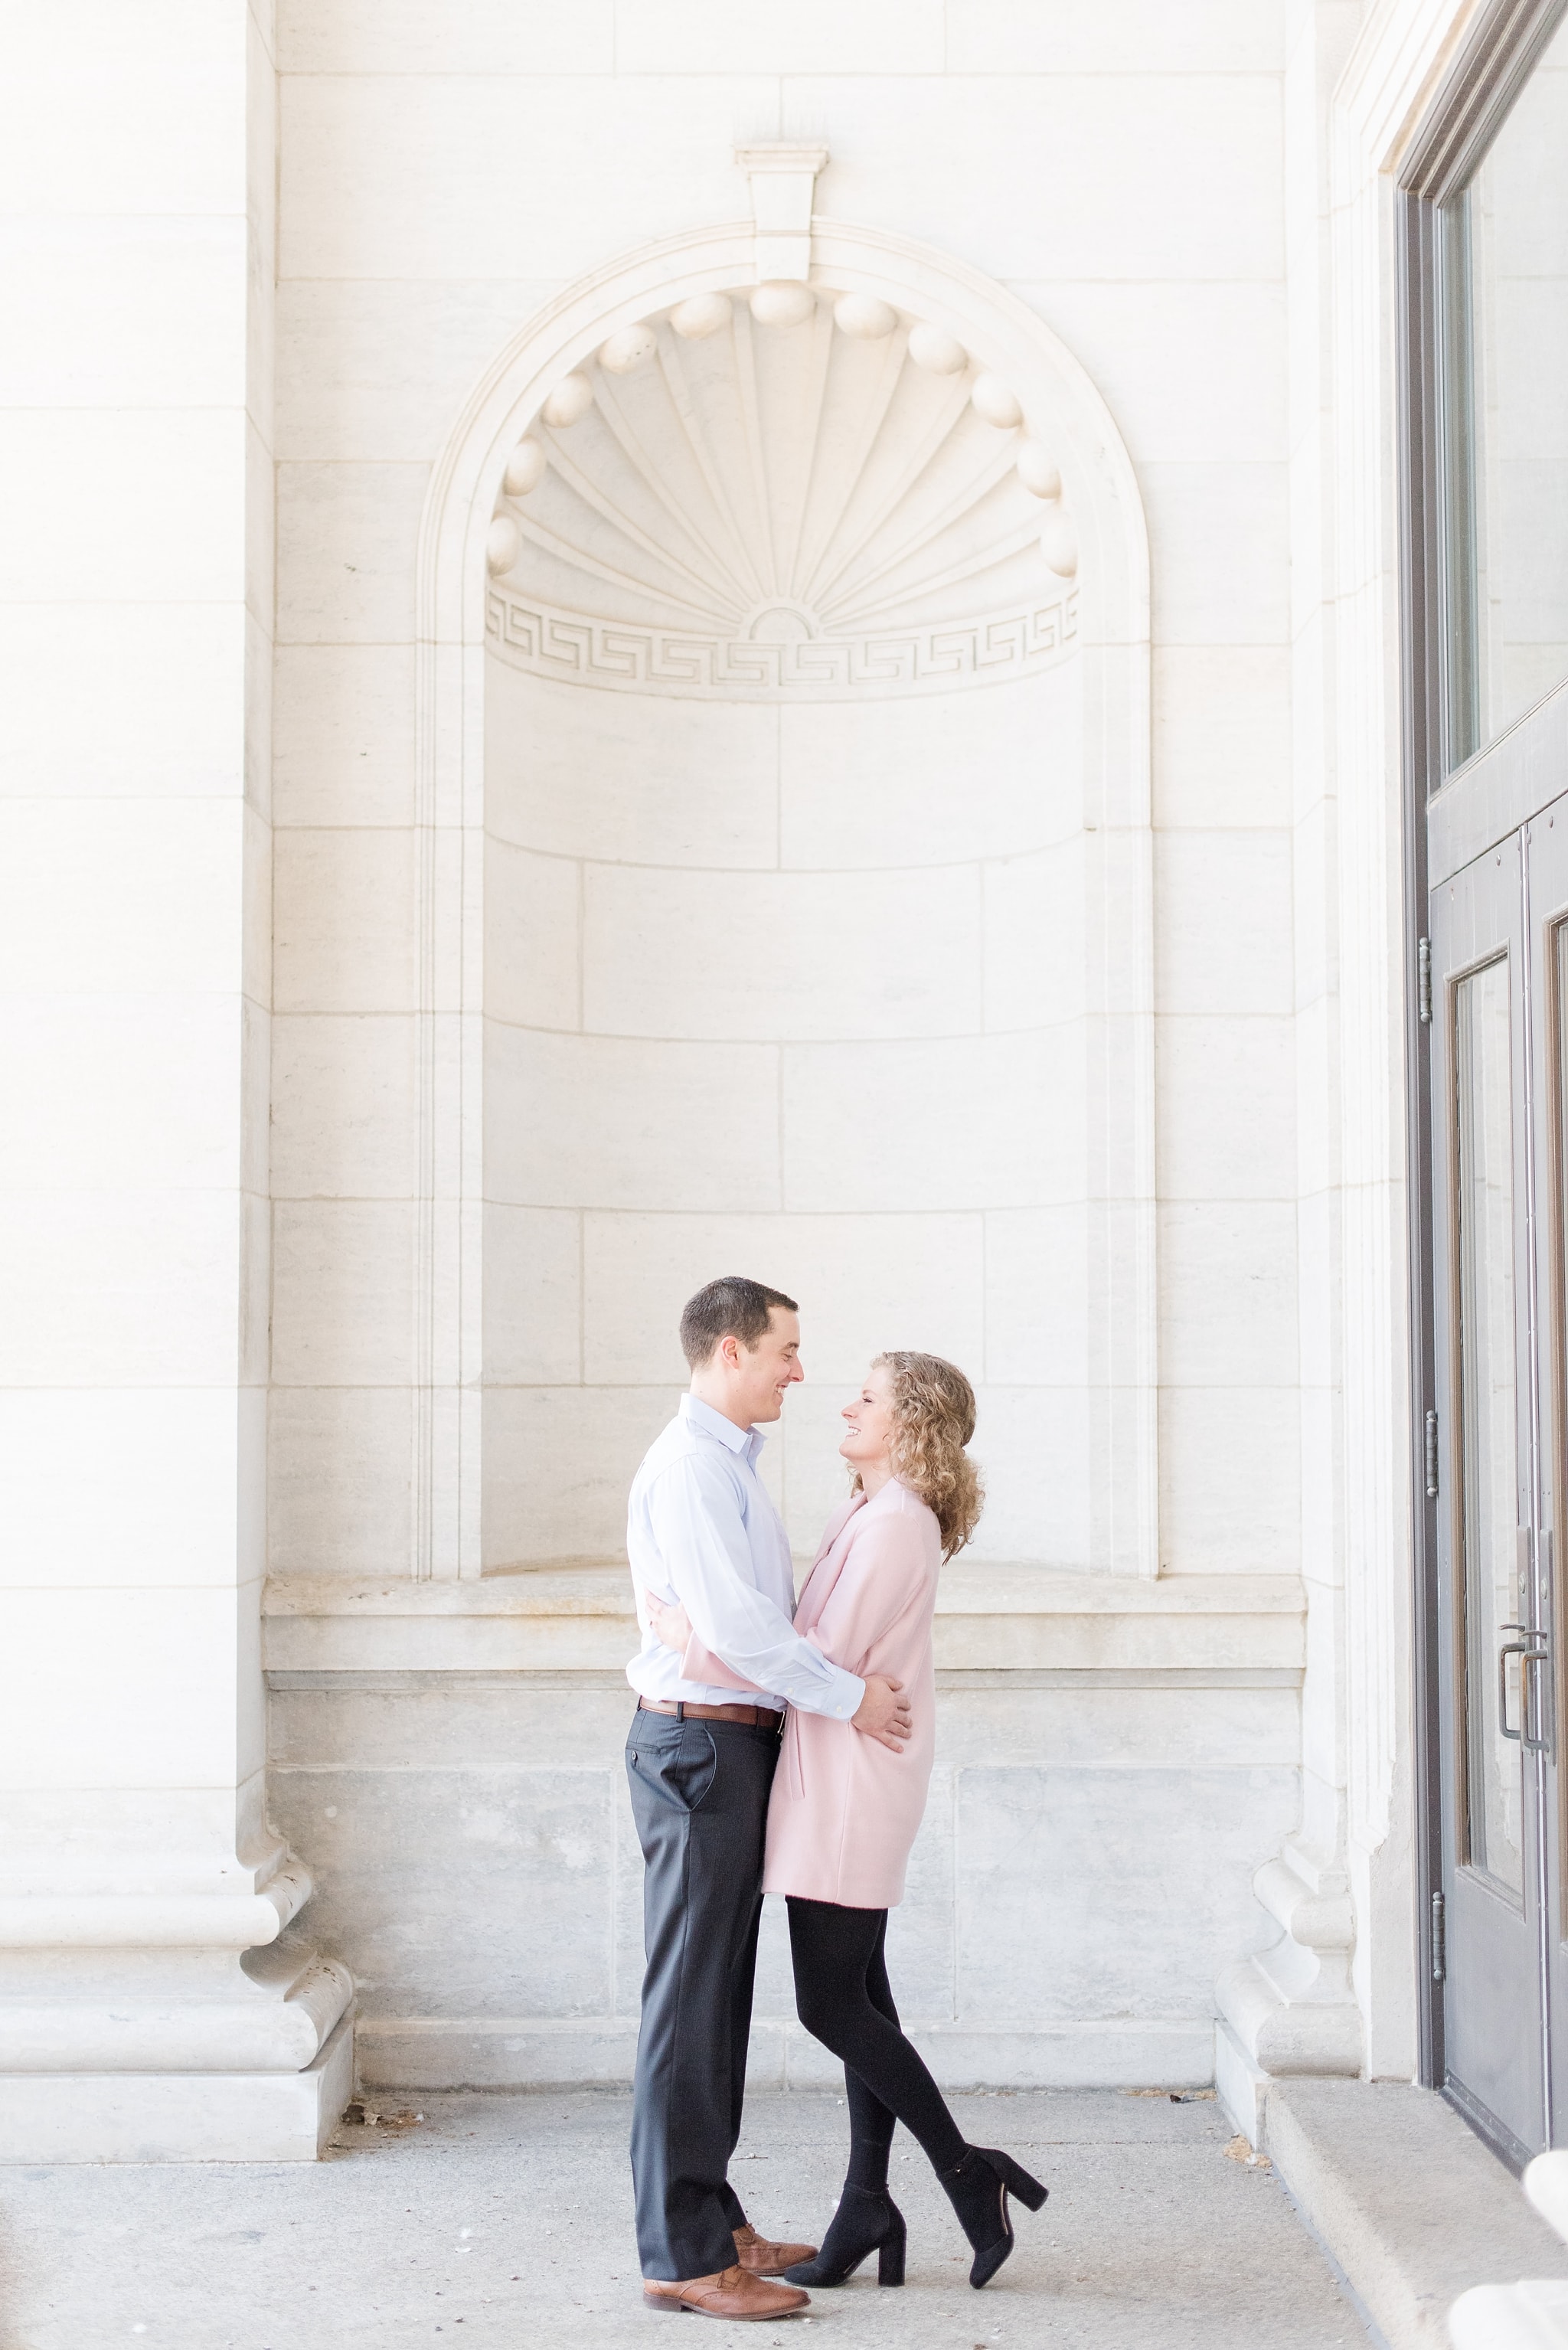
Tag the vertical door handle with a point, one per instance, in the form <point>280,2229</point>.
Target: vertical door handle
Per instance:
<point>1545,1686</point>
<point>1540,1742</point>
<point>1509,1649</point>
<point>1531,1649</point>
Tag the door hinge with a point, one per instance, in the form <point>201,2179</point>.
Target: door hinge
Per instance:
<point>1439,1941</point>
<point>1431,1456</point>
<point>1424,977</point>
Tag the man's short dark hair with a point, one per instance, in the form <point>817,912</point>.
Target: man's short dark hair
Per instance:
<point>729,1307</point>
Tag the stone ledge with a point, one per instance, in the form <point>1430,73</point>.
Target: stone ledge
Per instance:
<point>47,2117</point>
<point>416,2053</point>
<point>1404,2197</point>
<point>576,1617</point>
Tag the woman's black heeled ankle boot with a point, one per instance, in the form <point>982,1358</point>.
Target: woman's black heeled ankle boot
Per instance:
<point>977,2188</point>
<point>868,2220</point>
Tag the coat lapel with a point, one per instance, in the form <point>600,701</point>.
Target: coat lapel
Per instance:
<point>830,1558</point>
<point>815,1593</point>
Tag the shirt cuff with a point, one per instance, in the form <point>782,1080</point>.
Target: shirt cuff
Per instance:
<point>844,1698</point>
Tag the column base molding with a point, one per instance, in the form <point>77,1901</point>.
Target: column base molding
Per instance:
<point>1241,2084</point>
<point>49,2117</point>
<point>1290,2010</point>
<point>74,2012</point>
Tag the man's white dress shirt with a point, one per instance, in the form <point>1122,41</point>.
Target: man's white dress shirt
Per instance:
<point>701,1529</point>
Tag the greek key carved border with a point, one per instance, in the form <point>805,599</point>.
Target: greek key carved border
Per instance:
<point>582,650</point>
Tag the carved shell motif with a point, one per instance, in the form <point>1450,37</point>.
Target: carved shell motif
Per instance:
<point>784,494</point>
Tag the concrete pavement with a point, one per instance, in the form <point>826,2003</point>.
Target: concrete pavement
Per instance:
<point>503,2219</point>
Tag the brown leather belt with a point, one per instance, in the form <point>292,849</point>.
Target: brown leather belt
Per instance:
<point>755,1717</point>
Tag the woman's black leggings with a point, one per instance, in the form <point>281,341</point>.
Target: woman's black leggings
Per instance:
<point>841,1996</point>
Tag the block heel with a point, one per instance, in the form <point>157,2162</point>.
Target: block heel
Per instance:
<point>868,2220</point>
<point>1017,2180</point>
<point>977,2186</point>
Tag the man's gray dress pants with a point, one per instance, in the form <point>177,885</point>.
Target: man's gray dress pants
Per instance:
<point>700,1798</point>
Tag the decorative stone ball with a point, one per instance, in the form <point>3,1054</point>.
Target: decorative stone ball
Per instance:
<point>631,348</point>
<point>939,353</point>
<point>525,468</point>
<point>571,400</point>
<point>997,402</point>
<point>1036,471</point>
<point>782,303</point>
<point>1059,544</point>
<point>862,316</point>
<point>503,545</point>
<point>703,315</point>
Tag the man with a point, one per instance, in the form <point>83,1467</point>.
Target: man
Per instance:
<point>701,1530</point>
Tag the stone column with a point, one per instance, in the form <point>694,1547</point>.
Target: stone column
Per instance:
<point>1293,2007</point>
<point>155,2001</point>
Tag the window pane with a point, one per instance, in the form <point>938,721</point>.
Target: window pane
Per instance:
<point>1490,1576</point>
<point>1508,410</point>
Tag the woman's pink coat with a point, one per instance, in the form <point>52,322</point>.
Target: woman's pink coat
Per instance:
<point>844,1808</point>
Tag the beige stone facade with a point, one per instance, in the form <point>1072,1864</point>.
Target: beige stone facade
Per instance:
<point>898,793</point>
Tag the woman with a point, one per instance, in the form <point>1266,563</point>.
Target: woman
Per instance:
<point>844,1808</point>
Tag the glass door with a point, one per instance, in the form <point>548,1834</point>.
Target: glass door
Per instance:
<point>1485,240</point>
<point>1490,1784</point>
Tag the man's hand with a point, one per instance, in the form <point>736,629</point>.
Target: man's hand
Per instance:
<point>672,1625</point>
<point>883,1714</point>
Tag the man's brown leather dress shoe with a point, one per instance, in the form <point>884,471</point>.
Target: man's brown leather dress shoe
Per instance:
<point>764,2258</point>
<point>733,2293</point>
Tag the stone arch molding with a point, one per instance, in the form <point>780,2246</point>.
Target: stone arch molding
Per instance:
<point>781,496</point>
<point>1077,583</point>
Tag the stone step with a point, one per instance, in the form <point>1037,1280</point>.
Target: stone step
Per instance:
<point>1405,2198</point>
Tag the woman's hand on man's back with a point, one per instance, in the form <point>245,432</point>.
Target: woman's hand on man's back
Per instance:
<point>672,1625</point>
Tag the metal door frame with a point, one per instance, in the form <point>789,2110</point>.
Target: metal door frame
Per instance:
<point>1487,73</point>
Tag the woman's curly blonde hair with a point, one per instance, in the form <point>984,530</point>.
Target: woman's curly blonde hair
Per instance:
<point>933,1420</point>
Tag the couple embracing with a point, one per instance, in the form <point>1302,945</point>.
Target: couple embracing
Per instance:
<point>787,1749</point>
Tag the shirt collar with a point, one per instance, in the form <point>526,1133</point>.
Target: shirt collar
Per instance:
<point>703,1416</point>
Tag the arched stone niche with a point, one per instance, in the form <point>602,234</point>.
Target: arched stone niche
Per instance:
<point>785,891</point>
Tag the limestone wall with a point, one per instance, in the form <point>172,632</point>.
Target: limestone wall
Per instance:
<point>438,186</point>
<point>1113,1758</point>
<point>481,1308</point>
